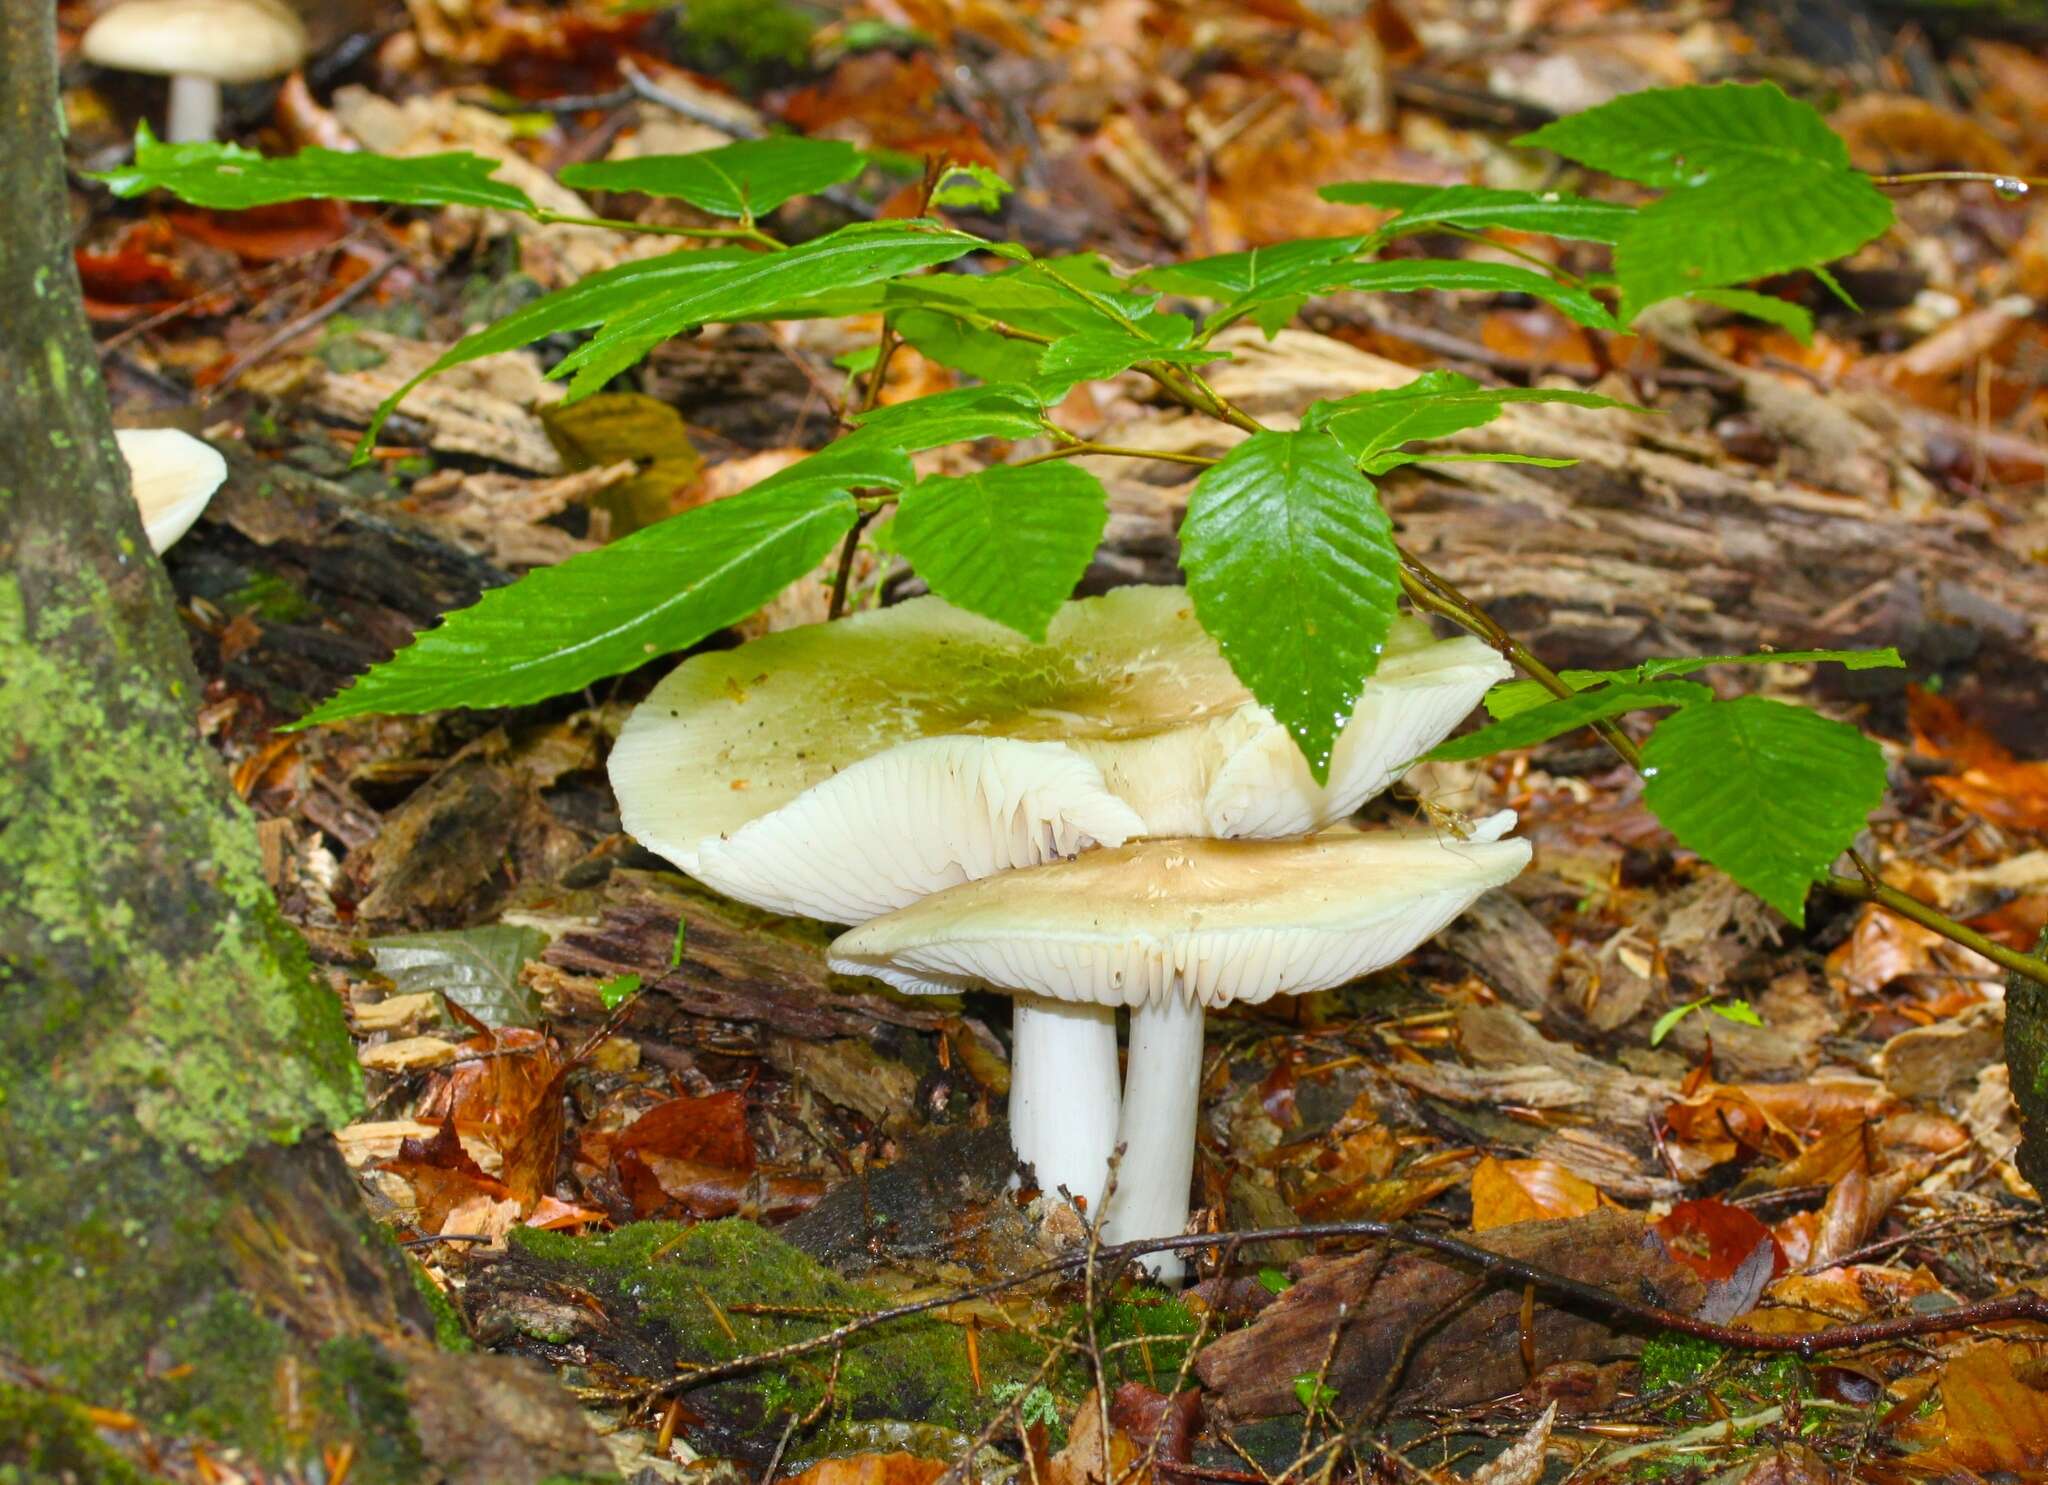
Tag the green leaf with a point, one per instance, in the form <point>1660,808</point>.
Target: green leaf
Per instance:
<point>761,285</point>
<point>587,302</point>
<point>231,178</point>
<point>1405,275</point>
<point>617,990</point>
<point>475,968</point>
<point>952,417</point>
<point>971,188</point>
<point>655,592</point>
<point>1098,354</point>
<point>1234,275</point>
<point>746,180</point>
<point>1556,213</point>
<point>1770,793</point>
<point>1670,1019</point>
<point>1434,405</point>
<point>1312,1393</point>
<point>1008,543</point>
<point>951,340</point>
<point>1292,568</point>
<point>1567,714</point>
<point>1756,184</point>
<point>1738,1011</point>
<point>1511,697</point>
<point>1769,308</point>
<point>1243,279</point>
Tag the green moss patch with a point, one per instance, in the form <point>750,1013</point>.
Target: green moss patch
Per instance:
<point>724,1290</point>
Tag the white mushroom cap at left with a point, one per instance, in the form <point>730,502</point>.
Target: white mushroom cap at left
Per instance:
<point>173,475</point>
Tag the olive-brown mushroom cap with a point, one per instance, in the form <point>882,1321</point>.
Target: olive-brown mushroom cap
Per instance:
<point>746,766</point>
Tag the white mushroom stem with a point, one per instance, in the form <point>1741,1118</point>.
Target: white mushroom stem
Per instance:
<point>1158,1129</point>
<point>195,109</point>
<point>1063,1094</point>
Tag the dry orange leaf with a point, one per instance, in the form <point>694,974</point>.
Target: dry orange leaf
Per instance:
<point>872,1469</point>
<point>2004,790</point>
<point>1986,1419</point>
<point>1508,1191</point>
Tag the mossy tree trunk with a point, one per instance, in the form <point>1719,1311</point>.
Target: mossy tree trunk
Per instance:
<point>178,1238</point>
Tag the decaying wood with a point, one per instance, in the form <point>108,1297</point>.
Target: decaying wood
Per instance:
<point>1655,543</point>
<point>1379,1303</point>
<point>741,965</point>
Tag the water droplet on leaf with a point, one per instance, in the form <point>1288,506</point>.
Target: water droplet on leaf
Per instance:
<point>2008,189</point>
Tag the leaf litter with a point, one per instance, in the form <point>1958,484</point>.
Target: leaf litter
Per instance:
<point>464,886</point>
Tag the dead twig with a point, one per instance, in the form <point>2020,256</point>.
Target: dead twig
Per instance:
<point>1495,1266</point>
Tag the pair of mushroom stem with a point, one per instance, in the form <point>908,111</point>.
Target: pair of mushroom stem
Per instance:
<point>1067,1118</point>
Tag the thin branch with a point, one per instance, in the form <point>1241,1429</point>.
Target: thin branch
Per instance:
<point>1496,1266</point>
<point>710,234</point>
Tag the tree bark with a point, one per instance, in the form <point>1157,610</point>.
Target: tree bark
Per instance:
<point>178,1237</point>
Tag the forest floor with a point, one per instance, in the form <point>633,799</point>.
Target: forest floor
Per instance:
<point>750,1151</point>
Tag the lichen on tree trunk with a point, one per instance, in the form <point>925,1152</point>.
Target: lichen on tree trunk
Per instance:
<point>2026,1064</point>
<point>177,1236</point>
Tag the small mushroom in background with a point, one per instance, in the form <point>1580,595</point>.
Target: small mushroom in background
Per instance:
<point>198,44</point>
<point>840,771</point>
<point>1169,928</point>
<point>173,476</point>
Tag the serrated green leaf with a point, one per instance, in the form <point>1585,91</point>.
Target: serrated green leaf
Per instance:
<point>1008,543</point>
<point>1741,1012</point>
<point>1434,405</point>
<point>1243,279</point>
<point>1098,354</point>
<point>1678,138</point>
<point>475,968</point>
<point>1769,308</point>
<point>1292,568</point>
<point>583,304</point>
<point>1511,697</point>
<point>231,178</point>
<point>1756,183</point>
<point>952,417</point>
<point>657,591</point>
<point>971,188</point>
<point>1536,724</point>
<point>1234,275</point>
<point>1768,792</point>
<point>1555,213</point>
<point>746,179</point>
<point>762,285</point>
<point>952,340</point>
<point>1405,275</point>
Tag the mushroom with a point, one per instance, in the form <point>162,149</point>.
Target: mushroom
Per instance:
<point>173,476</point>
<point>200,44</point>
<point>1171,927</point>
<point>841,771</point>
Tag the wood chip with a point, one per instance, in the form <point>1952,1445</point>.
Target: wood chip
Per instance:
<point>408,1055</point>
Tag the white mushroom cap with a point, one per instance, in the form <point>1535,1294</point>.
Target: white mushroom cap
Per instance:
<point>1210,920</point>
<point>765,771</point>
<point>173,476</point>
<point>222,40</point>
